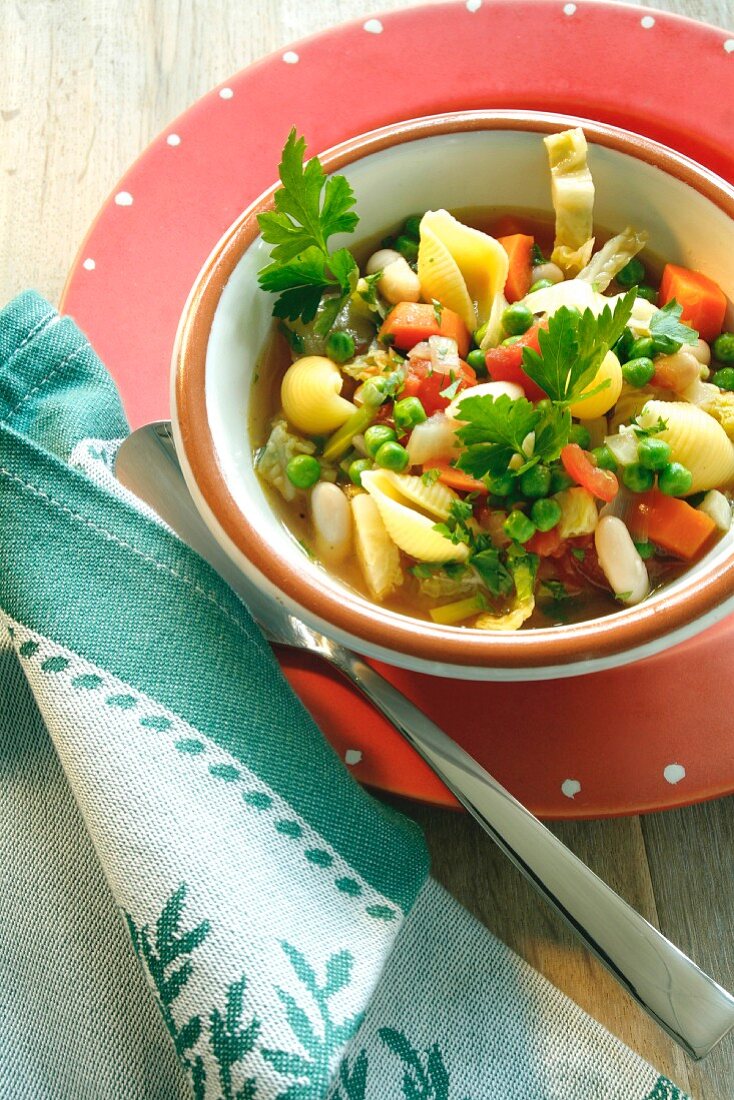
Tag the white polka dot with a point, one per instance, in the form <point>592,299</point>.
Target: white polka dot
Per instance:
<point>570,787</point>
<point>569,9</point>
<point>352,756</point>
<point>89,264</point>
<point>373,26</point>
<point>124,198</point>
<point>674,773</point>
<point>291,57</point>
<point>647,21</point>
<point>173,139</point>
<point>225,93</point>
<point>729,45</point>
<point>473,5</point>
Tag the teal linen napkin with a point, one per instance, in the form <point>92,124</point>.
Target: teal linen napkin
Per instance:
<point>165,796</point>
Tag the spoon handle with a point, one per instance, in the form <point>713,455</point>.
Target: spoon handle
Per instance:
<point>686,1002</point>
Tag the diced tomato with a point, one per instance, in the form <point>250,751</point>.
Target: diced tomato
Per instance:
<point>504,363</point>
<point>426,385</point>
<point>579,465</point>
<point>546,544</point>
<point>410,323</point>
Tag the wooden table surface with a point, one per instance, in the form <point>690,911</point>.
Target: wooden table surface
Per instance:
<point>84,86</point>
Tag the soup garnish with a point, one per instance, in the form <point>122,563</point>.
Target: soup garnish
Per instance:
<point>472,431</point>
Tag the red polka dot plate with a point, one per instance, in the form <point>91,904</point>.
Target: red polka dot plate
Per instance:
<point>653,735</point>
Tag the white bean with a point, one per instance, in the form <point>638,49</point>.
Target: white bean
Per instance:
<point>702,351</point>
<point>399,283</point>
<point>332,520</point>
<point>622,565</point>
<point>549,271</point>
<point>380,259</point>
<point>718,508</point>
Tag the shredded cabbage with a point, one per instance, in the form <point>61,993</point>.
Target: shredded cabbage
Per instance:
<point>720,405</point>
<point>442,585</point>
<point>612,257</point>
<point>572,190</point>
<point>523,569</point>
<point>273,458</point>
<point>579,515</point>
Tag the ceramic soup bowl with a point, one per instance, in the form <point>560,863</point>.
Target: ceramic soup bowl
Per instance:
<point>478,158</point>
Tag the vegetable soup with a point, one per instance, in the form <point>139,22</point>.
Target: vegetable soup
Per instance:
<point>493,419</point>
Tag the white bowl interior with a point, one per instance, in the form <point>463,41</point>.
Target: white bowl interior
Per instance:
<point>478,168</point>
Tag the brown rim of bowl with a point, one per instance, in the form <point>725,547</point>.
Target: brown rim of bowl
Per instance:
<point>354,615</point>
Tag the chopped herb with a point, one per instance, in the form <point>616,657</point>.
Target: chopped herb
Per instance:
<point>388,339</point>
<point>422,571</point>
<point>578,552</point>
<point>367,290</point>
<point>450,392</point>
<point>557,590</point>
<point>572,349</point>
<point>437,311</point>
<point>622,596</point>
<point>307,549</point>
<point>430,477</point>
<point>295,341</point>
<point>537,256</point>
<point>666,327</point>
<point>455,528</point>
<point>308,210</point>
<point>653,429</point>
<point>493,571</point>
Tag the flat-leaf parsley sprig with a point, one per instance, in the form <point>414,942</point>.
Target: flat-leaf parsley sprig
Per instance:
<point>573,347</point>
<point>496,429</point>
<point>309,209</point>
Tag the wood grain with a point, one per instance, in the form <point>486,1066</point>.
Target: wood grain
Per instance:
<point>84,86</point>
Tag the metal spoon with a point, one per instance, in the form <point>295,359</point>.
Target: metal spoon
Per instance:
<point>686,1002</point>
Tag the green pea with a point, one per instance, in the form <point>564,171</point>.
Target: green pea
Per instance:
<point>649,293</point>
<point>653,453</point>
<point>516,319</point>
<point>605,460</point>
<point>357,468</point>
<point>518,526</point>
<point>724,378</point>
<point>303,471</point>
<point>639,371</point>
<point>646,550</point>
<point>375,436</point>
<point>580,435</point>
<point>632,273</point>
<point>412,225</point>
<point>674,479</point>
<point>340,346</point>
<point>545,514</point>
<point>560,480</point>
<point>723,348</point>
<point>535,482</point>
<point>392,456</point>
<point>623,345</point>
<point>407,413</point>
<point>408,247</point>
<point>477,360</point>
<point>510,341</point>
<point>641,348</point>
<point>665,345</point>
<point>540,284</point>
<point>502,485</point>
<point>638,478</point>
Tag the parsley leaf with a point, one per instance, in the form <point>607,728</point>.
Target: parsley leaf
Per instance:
<point>653,429</point>
<point>666,328</point>
<point>496,429</point>
<point>451,390</point>
<point>308,210</point>
<point>430,477</point>
<point>437,310</point>
<point>493,571</point>
<point>572,349</point>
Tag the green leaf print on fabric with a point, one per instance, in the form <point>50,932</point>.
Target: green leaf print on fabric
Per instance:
<point>354,1080</point>
<point>420,1082</point>
<point>320,1037</point>
<point>230,1042</point>
<point>665,1090</point>
<point>158,954</point>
